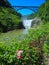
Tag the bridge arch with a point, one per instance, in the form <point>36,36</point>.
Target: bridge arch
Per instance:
<point>32,8</point>
<point>27,9</point>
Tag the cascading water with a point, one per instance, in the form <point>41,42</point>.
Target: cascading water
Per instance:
<point>26,24</point>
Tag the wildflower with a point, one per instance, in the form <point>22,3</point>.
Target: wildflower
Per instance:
<point>19,52</point>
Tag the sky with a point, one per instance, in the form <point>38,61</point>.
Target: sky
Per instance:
<point>26,3</point>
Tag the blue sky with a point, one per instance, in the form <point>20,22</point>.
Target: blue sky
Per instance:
<point>26,3</point>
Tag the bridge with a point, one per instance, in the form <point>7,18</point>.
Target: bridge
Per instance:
<point>32,8</point>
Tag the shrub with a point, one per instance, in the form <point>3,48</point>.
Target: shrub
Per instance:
<point>9,19</point>
<point>8,55</point>
<point>8,51</point>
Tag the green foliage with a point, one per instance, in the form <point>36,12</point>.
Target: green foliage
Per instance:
<point>43,11</point>
<point>47,11</point>
<point>9,19</point>
<point>9,55</point>
<point>46,52</point>
<point>9,48</point>
<point>46,48</point>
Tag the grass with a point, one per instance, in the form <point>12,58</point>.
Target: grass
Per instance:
<point>10,36</point>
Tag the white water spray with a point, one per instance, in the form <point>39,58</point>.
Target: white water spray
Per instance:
<point>26,24</point>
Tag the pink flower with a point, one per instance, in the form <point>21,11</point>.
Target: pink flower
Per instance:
<point>19,52</point>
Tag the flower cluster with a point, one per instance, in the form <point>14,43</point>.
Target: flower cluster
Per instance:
<point>19,52</point>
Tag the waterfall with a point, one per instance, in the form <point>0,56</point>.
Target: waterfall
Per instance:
<point>26,24</point>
